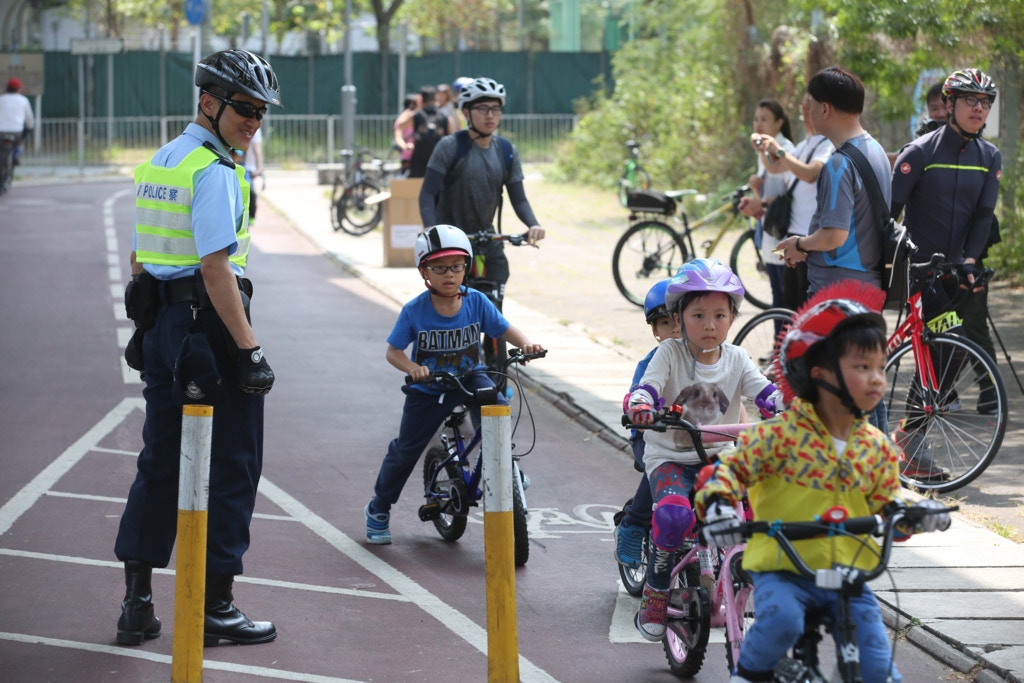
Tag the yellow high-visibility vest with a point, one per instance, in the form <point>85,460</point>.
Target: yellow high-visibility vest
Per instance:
<point>163,211</point>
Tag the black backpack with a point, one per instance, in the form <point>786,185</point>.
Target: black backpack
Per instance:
<point>429,126</point>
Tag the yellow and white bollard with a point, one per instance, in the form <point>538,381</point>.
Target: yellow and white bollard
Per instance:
<point>499,545</point>
<point>190,573</point>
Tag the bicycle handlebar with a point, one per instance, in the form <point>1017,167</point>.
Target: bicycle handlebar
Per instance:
<point>485,237</point>
<point>671,418</point>
<point>482,396</point>
<point>835,522</point>
<point>937,267</point>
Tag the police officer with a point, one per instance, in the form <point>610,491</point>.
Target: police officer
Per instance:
<point>190,248</point>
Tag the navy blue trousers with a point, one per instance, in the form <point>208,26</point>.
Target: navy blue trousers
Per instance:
<point>421,416</point>
<point>149,522</point>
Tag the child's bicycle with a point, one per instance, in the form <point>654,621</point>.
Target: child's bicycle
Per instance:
<point>803,665</point>
<point>710,589</point>
<point>945,394</point>
<point>495,350</point>
<point>452,479</point>
<point>652,250</point>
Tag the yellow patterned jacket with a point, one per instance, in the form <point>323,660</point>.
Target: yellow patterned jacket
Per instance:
<point>791,472</point>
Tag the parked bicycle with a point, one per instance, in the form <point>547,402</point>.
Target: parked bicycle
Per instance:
<point>803,665</point>
<point>945,396</point>
<point>8,141</point>
<point>452,479</point>
<point>495,350</point>
<point>652,250</point>
<point>358,194</point>
<point>710,589</point>
<point>634,176</point>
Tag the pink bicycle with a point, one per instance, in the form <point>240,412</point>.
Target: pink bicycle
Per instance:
<point>710,589</point>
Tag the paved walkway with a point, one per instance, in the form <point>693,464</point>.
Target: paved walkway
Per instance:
<point>960,593</point>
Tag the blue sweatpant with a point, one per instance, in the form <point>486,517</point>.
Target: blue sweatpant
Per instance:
<point>782,598</point>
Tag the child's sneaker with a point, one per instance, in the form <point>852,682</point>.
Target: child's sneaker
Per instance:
<point>629,541</point>
<point>650,619</point>
<point>378,529</point>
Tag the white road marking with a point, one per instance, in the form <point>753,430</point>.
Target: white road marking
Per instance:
<point>208,664</point>
<point>407,589</point>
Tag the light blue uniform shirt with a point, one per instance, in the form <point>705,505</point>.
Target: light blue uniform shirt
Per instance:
<point>217,204</point>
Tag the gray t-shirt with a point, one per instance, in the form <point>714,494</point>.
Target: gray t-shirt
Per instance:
<point>844,203</point>
<point>471,201</point>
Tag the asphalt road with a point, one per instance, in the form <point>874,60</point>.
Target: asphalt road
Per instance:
<point>413,611</point>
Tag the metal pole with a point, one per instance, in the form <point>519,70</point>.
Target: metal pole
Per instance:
<point>499,545</point>
<point>197,35</point>
<point>403,54</point>
<point>81,115</point>
<point>348,92</point>
<point>110,102</point>
<point>190,574</point>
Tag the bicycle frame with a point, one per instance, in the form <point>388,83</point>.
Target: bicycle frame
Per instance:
<point>459,453</point>
<point>726,602</point>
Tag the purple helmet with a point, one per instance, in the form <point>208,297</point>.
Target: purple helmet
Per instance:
<point>702,275</point>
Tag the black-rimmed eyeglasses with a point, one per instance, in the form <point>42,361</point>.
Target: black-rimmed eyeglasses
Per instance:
<point>493,111</point>
<point>441,270</point>
<point>972,101</point>
<point>243,109</point>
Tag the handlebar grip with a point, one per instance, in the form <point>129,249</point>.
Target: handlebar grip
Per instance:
<point>799,531</point>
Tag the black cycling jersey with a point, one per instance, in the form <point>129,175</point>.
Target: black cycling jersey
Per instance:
<point>949,186</point>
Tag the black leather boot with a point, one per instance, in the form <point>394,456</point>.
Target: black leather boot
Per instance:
<point>224,621</point>
<point>137,621</point>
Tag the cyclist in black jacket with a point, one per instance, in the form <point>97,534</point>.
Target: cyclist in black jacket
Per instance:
<point>946,183</point>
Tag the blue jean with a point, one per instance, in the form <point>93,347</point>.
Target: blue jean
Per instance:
<point>421,416</point>
<point>783,598</point>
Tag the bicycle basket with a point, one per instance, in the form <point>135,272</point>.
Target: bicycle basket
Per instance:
<point>650,201</point>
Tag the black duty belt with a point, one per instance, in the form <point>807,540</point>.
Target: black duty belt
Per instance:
<point>191,289</point>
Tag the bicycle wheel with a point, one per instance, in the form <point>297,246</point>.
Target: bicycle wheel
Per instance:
<point>450,489</point>
<point>960,424</point>
<point>6,170</point>
<point>686,638</point>
<point>648,252</point>
<point>757,337</point>
<point>743,603</point>
<point>633,578</point>
<point>361,208</point>
<point>745,260</point>
<point>520,532</point>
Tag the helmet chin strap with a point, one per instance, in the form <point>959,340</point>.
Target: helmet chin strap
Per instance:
<point>215,124</point>
<point>841,391</point>
<point>956,126</point>
<point>470,126</point>
<point>457,295</point>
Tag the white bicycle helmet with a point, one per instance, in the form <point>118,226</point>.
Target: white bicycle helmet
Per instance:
<point>441,240</point>
<point>460,83</point>
<point>480,89</point>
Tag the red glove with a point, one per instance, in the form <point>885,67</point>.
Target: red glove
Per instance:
<point>641,414</point>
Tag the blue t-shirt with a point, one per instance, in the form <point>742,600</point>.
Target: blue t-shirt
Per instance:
<point>447,343</point>
<point>844,203</point>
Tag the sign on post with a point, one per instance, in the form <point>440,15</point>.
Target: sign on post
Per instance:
<point>97,46</point>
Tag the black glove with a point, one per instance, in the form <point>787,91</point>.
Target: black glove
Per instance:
<point>254,373</point>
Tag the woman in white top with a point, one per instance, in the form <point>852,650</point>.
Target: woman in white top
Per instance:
<point>771,125</point>
<point>801,165</point>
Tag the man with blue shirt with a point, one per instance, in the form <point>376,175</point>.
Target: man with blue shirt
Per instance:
<point>189,255</point>
<point>844,241</point>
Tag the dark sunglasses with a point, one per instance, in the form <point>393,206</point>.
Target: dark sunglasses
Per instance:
<point>243,109</point>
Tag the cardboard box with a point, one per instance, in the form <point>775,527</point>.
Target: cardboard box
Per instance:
<point>402,222</point>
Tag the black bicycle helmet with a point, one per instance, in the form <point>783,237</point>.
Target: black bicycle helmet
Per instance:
<point>240,71</point>
<point>968,81</point>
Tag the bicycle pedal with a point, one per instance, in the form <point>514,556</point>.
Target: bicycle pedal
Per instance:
<point>430,511</point>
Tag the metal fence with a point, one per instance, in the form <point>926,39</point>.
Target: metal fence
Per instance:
<point>288,140</point>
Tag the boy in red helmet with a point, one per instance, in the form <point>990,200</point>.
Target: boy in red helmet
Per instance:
<point>820,453</point>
